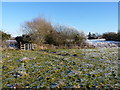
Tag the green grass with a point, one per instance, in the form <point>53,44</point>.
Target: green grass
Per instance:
<point>62,68</point>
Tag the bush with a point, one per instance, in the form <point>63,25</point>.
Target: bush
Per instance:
<point>111,36</point>
<point>5,36</point>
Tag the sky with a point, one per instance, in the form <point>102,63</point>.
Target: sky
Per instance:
<point>88,17</point>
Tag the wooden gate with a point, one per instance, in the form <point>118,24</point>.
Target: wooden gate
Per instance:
<point>27,46</point>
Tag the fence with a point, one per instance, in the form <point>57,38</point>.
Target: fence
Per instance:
<point>27,46</point>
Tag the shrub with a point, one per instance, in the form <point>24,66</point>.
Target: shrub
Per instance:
<point>111,36</point>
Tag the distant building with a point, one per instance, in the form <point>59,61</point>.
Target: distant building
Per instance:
<point>20,42</point>
<point>11,44</point>
<point>94,36</point>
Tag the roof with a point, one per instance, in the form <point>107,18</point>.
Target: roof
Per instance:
<point>11,41</point>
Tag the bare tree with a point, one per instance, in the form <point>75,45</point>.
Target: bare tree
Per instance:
<point>70,35</point>
<point>43,32</point>
<point>38,28</point>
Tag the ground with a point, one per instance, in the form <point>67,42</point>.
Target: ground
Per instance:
<point>63,68</point>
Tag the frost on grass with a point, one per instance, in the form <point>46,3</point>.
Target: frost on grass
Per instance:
<point>85,68</point>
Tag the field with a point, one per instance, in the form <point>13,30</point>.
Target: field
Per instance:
<point>61,68</point>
